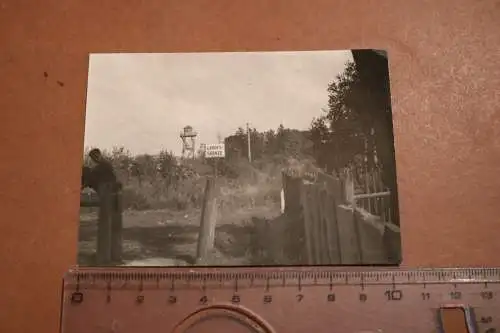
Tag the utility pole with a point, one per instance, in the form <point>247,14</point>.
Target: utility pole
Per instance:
<point>249,144</point>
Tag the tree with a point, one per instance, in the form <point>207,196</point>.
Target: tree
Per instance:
<point>145,165</point>
<point>371,98</point>
<point>236,145</point>
<point>338,134</point>
<point>321,137</point>
<point>358,122</point>
<point>167,166</point>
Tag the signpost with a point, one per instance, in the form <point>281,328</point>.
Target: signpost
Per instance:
<point>215,151</point>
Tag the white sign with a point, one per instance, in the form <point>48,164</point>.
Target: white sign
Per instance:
<point>215,150</point>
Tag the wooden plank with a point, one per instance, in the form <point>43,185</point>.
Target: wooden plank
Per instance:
<point>317,200</point>
<point>325,178</point>
<point>351,232</point>
<point>282,200</point>
<point>307,223</point>
<point>349,189</point>
<point>373,201</point>
<point>312,224</point>
<point>348,241</point>
<point>292,193</point>
<point>371,195</point>
<point>325,244</point>
<point>313,227</point>
<point>333,229</point>
<point>377,188</point>
<point>330,225</point>
<point>335,188</point>
<point>206,236</point>
<point>333,202</point>
<point>392,243</point>
<point>371,239</point>
<point>316,223</point>
<point>388,205</point>
<point>328,234</point>
<point>357,232</point>
<point>104,229</point>
<point>366,180</point>
<point>117,226</point>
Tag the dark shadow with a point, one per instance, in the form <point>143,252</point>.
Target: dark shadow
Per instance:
<point>153,242</point>
<point>260,242</point>
<point>263,241</point>
<point>161,241</point>
<point>234,240</point>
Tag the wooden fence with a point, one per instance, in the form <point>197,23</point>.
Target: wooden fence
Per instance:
<point>110,224</point>
<point>333,228</point>
<point>371,193</point>
<point>208,222</point>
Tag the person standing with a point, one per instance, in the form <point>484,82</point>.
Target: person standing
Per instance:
<point>103,171</point>
<point>110,218</point>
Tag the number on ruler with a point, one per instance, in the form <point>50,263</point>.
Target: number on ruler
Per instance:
<point>235,299</point>
<point>268,299</point>
<point>77,297</point>
<point>394,295</point>
<point>426,296</point>
<point>203,300</point>
<point>487,295</point>
<point>456,295</point>
<point>330,298</point>
<point>300,297</point>
<point>172,299</point>
<point>363,297</point>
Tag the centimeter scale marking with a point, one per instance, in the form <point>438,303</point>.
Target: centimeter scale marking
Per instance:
<point>270,299</point>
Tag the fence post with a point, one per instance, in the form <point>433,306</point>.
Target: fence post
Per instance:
<point>349,189</point>
<point>326,225</point>
<point>351,200</point>
<point>392,243</point>
<point>307,223</point>
<point>208,222</point>
<point>117,224</point>
<point>282,200</point>
<point>315,223</point>
<point>104,227</point>
<point>284,192</point>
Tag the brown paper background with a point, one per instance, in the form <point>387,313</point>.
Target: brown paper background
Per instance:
<point>445,75</point>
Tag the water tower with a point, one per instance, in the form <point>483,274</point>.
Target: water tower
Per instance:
<point>188,137</point>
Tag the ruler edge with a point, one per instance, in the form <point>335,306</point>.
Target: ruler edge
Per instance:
<point>197,272</point>
<point>347,268</point>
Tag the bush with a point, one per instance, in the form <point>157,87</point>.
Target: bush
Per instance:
<point>134,200</point>
<point>157,182</point>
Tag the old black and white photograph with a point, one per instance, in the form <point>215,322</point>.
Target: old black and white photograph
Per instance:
<point>239,159</point>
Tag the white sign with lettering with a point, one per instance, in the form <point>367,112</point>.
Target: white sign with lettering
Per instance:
<point>215,150</point>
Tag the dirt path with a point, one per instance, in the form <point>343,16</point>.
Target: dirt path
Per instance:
<point>169,238</point>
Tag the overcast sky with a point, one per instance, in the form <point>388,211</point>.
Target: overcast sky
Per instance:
<point>142,101</point>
